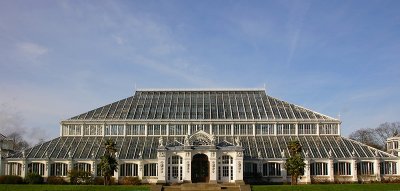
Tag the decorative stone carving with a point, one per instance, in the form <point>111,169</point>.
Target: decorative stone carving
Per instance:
<point>188,166</point>
<point>259,154</point>
<point>162,167</point>
<point>237,141</point>
<point>187,154</point>
<point>306,154</point>
<point>283,154</point>
<point>213,167</point>
<point>239,166</point>
<point>187,143</point>
<point>330,153</point>
<point>239,154</point>
<point>160,142</point>
<point>161,154</point>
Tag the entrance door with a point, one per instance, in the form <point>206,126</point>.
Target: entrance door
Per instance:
<point>200,168</point>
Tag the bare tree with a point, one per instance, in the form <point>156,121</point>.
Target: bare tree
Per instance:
<point>19,143</point>
<point>376,137</point>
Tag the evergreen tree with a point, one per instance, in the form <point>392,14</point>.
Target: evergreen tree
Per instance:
<point>108,163</point>
<point>295,163</point>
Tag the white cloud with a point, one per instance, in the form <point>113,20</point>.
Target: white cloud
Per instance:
<point>31,50</point>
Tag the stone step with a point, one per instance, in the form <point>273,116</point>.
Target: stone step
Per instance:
<point>205,187</point>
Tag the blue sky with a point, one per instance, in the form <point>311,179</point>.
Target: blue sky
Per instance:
<point>63,58</point>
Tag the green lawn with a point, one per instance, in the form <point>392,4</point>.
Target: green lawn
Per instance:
<point>329,187</point>
<point>45,187</point>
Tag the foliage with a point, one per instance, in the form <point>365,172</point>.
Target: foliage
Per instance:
<point>295,163</point>
<point>130,180</point>
<point>108,162</point>
<point>98,180</point>
<point>376,137</point>
<point>44,187</point>
<point>79,177</point>
<point>56,180</point>
<point>33,178</point>
<point>11,179</point>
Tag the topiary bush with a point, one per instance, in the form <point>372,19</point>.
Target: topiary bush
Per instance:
<point>130,180</point>
<point>56,180</point>
<point>32,178</point>
<point>11,179</point>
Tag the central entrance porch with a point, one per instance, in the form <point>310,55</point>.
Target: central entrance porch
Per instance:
<point>200,168</point>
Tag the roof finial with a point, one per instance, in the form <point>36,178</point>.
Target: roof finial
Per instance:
<point>265,87</point>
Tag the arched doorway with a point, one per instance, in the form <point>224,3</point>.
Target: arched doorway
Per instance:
<point>200,168</point>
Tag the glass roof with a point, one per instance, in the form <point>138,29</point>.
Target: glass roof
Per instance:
<point>200,105</point>
<point>146,147</point>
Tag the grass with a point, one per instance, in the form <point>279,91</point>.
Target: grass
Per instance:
<point>46,187</point>
<point>329,187</point>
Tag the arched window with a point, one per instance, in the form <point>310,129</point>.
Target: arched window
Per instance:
<point>388,167</point>
<point>58,169</point>
<point>272,169</point>
<point>365,168</point>
<point>13,168</point>
<point>319,168</point>
<point>150,169</point>
<point>175,167</point>
<point>36,168</point>
<point>128,169</point>
<point>342,168</point>
<point>225,168</point>
<point>83,167</point>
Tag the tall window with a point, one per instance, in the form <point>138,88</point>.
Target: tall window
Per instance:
<point>342,168</point>
<point>225,168</point>
<point>250,169</point>
<point>58,169</point>
<point>175,167</point>
<point>264,129</point>
<point>388,167</point>
<point>135,129</point>
<point>365,168</point>
<point>36,168</point>
<point>330,128</point>
<point>83,167</point>
<point>150,169</point>
<point>222,129</point>
<point>319,168</point>
<point>157,129</point>
<point>285,129</point>
<point>197,127</point>
<point>114,129</point>
<point>243,129</point>
<point>93,129</point>
<point>71,129</point>
<point>178,129</point>
<point>307,129</point>
<point>271,169</point>
<point>128,169</point>
<point>13,168</point>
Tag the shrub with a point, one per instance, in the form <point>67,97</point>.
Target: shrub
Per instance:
<point>55,180</point>
<point>11,179</point>
<point>99,180</point>
<point>33,178</point>
<point>130,180</point>
<point>80,177</point>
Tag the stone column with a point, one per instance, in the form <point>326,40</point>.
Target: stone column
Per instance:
<point>238,166</point>
<point>354,177</point>
<point>377,164</point>
<point>161,153</point>
<point>24,170</point>
<point>213,167</point>
<point>140,170</point>
<point>307,173</point>
<point>331,170</point>
<point>94,168</point>
<point>187,164</point>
